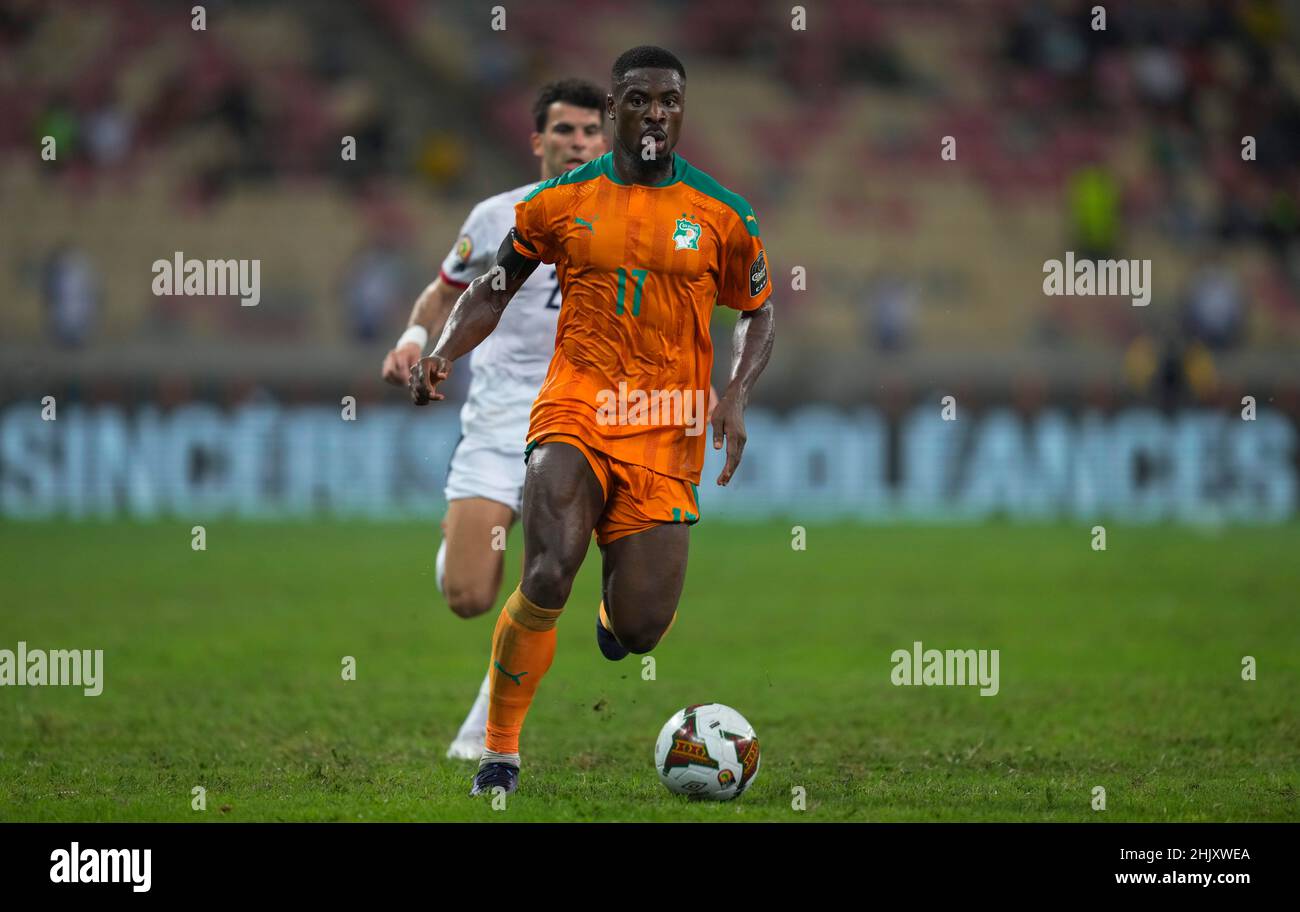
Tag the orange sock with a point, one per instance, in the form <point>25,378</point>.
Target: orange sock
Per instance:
<point>523,646</point>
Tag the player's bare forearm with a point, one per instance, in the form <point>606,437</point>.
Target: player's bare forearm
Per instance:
<point>751,349</point>
<point>475,314</point>
<point>433,306</point>
<point>479,308</point>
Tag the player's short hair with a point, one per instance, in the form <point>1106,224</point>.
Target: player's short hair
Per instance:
<point>647,55</point>
<point>578,92</point>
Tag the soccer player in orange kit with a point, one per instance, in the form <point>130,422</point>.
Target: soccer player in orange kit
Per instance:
<point>645,245</point>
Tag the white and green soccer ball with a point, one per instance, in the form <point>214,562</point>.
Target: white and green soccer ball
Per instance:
<point>707,751</point>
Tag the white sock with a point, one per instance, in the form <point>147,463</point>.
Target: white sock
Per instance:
<point>475,724</point>
<point>493,757</point>
<point>440,568</point>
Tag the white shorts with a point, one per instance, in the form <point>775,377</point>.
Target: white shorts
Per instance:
<point>481,468</point>
<point>489,459</point>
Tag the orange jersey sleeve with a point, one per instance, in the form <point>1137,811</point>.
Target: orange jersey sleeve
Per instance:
<point>534,224</point>
<point>745,283</point>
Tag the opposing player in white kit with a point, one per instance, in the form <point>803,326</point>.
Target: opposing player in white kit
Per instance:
<point>486,478</point>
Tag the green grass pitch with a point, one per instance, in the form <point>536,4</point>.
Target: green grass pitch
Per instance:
<point>1119,669</point>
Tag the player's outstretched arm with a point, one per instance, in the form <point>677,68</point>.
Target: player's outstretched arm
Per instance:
<point>476,314</point>
<point>751,346</point>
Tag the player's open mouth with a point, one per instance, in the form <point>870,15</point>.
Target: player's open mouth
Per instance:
<point>661,139</point>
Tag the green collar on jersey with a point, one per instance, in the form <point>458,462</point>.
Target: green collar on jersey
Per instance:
<point>682,171</point>
<point>607,168</point>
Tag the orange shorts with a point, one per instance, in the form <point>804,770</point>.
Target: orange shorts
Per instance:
<point>636,498</point>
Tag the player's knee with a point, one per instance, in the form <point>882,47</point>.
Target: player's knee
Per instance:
<point>469,601</point>
<point>641,643</point>
<point>640,638</point>
<point>547,582</point>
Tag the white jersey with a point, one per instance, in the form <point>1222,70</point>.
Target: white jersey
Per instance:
<point>509,366</point>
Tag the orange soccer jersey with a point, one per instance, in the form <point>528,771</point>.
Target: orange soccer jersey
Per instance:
<point>640,269</point>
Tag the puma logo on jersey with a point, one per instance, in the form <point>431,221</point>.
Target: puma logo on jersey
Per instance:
<point>586,224</point>
<point>687,235</point>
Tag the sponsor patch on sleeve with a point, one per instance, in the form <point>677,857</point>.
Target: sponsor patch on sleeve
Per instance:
<point>758,275</point>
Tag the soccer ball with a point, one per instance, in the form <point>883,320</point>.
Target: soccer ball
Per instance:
<point>707,751</point>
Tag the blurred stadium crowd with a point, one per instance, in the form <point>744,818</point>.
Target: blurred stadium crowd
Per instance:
<point>1123,142</point>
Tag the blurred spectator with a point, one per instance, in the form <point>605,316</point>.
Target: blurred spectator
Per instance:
<point>1094,213</point>
<point>1159,73</point>
<point>359,114</point>
<point>70,285</point>
<point>59,122</point>
<point>239,110</point>
<point>1141,362</point>
<point>893,312</point>
<point>108,136</point>
<point>442,159</point>
<point>375,290</point>
<point>1214,311</point>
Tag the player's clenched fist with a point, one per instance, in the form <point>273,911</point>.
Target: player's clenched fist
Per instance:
<point>398,363</point>
<point>425,375</point>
